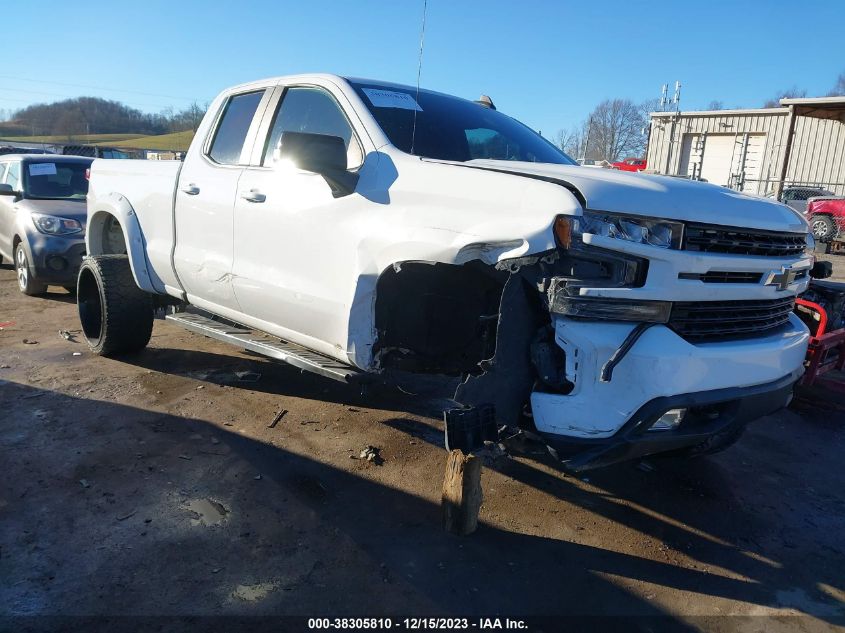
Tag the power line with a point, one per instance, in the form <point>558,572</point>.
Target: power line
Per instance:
<point>65,96</point>
<point>74,85</point>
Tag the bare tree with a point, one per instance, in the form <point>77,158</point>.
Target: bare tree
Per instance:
<point>617,129</point>
<point>571,140</point>
<point>716,105</point>
<point>839,88</point>
<point>791,93</point>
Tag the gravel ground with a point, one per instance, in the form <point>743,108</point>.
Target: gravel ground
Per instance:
<point>153,485</point>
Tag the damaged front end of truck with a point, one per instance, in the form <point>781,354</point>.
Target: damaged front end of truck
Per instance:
<point>538,356</point>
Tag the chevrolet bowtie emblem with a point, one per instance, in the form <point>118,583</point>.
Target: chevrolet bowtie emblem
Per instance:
<point>781,278</point>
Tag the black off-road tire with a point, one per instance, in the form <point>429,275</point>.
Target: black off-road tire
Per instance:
<point>116,315</point>
<point>824,228</point>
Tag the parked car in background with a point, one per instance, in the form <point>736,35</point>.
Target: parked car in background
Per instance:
<point>826,217</point>
<point>42,218</point>
<point>631,164</point>
<point>589,162</point>
<point>824,210</point>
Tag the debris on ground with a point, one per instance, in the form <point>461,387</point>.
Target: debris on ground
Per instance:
<point>248,376</point>
<point>126,516</point>
<point>185,457</point>
<point>257,477</point>
<point>371,454</point>
<point>278,417</point>
<point>5,366</point>
<point>6,324</point>
<point>77,353</point>
<point>68,335</point>
<point>84,483</point>
<point>27,341</point>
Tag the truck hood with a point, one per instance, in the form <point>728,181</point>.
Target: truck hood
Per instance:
<point>658,196</point>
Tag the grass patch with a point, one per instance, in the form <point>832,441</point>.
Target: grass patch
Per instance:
<point>76,139</point>
<point>177,142</point>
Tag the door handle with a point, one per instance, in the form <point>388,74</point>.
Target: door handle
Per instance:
<point>191,189</point>
<point>253,195</point>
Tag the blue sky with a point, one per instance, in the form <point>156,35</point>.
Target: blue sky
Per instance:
<point>547,63</point>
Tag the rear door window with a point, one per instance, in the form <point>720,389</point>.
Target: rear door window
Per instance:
<point>233,126</point>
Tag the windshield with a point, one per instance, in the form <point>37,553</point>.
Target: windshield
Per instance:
<point>55,181</point>
<point>449,128</point>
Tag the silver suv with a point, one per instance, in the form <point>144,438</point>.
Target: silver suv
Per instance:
<point>42,218</point>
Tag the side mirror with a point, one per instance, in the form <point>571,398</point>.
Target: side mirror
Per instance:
<point>6,190</point>
<point>321,154</point>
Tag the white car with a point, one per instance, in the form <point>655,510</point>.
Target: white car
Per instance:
<point>356,227</point>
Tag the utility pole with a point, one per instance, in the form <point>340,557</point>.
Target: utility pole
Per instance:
<point>587,140</point>
<point>676,101</point>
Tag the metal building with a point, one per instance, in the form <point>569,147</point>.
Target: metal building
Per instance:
<point>754,151</point>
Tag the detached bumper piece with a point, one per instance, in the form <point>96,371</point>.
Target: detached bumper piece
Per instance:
<point>707,413</point>
<point>468,428</point>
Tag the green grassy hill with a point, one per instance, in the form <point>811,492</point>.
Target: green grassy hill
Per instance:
<point>177,142</point>
<point>76,139</point>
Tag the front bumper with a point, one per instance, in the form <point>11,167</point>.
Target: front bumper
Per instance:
<point>711,413</point>
<point>55,259</point>
<point>661,370</point>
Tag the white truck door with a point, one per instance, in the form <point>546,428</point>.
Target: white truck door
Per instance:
<point>295,263</point>
<point>205,198</point>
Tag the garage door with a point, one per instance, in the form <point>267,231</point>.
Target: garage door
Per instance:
<point>719,150</point>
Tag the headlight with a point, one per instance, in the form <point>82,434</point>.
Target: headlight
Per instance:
<point>640,230</point>
<point>611,309</point>
<point>53,225</point>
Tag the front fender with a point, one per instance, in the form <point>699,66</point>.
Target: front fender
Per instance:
<point>97,242</point>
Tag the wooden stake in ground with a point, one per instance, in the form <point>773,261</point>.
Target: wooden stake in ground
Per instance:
<point>462,496</point>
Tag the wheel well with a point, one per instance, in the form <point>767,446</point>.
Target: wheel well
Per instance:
<point>105,235</point>
<point>434,317</point>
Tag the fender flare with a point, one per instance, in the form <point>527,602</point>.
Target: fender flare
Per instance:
<point>117,206</point>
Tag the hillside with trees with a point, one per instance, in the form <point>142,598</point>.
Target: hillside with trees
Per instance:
<point>91,115</point>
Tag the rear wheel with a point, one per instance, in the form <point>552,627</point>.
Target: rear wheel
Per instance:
<point>823,227</point>
<point>116,315</point>
<point>26,280</point>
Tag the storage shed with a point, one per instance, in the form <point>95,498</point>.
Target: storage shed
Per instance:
<point>756,151</point>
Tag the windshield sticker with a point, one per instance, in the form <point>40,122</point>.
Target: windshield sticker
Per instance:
<point>391,99</point>
<point>42,169</point>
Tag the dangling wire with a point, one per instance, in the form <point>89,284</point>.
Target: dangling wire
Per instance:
<point>419,70</point>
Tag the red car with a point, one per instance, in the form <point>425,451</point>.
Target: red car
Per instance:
<point>631,164</point>
<point>827,217</point>
<point>824,210</point>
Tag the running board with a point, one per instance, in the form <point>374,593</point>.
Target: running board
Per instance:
<point>263,344</point>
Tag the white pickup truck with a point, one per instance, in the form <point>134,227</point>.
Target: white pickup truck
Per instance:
<point>358,228</point>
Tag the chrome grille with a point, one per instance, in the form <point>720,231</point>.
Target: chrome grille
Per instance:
<point>740,241</point>
<point>706,321</point>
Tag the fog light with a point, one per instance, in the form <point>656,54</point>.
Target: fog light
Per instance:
<point>57,263</point>
<point>669,420</point>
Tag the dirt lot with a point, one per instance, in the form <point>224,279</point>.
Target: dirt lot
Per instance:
<point>153,486</point>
